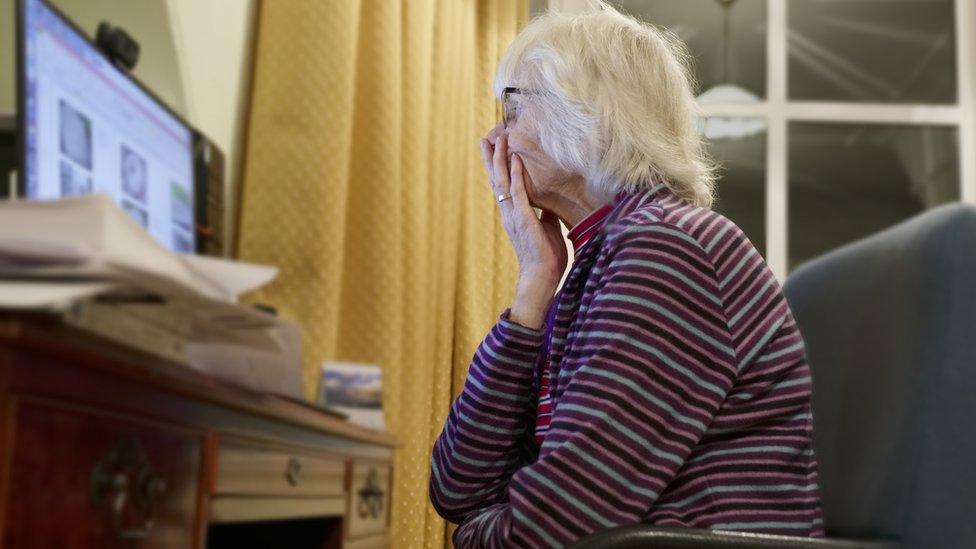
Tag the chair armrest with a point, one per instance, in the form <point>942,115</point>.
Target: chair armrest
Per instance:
<point>642,536</point>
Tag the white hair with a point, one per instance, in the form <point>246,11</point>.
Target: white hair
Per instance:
<point>612,99</point>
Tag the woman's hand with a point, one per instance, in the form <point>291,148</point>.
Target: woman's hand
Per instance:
<point>538,243</point>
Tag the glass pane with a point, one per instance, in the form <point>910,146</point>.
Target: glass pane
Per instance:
<point>727,40</point>
<point>739,145</point>
<point>893,51</point>
<point>848,181</point>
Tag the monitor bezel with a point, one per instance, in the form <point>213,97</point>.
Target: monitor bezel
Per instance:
<point>21,130</point>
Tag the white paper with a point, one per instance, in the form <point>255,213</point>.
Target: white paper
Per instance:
<point>30,250</point>
<point>51,296</point>
<point>234,277</point>
<point>91,237</point>
<point>267,360</point>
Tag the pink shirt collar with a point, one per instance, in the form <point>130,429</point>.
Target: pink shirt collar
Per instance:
<point>585,229</point>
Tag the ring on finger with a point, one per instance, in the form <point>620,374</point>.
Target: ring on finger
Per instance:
<point>503,197</point>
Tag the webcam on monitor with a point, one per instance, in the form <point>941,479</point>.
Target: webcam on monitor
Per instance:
<point>117,45</point>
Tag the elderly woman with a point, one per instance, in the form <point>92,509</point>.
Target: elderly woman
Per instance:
<point>666,382</point>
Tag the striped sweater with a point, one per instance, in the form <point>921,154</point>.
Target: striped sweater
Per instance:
<point>578,236</point>
<point>680,395</point>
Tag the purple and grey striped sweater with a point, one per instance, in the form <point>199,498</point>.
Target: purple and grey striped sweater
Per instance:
<point>680,395</point>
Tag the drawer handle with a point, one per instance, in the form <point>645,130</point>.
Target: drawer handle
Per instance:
<point>370,497</point>
<point>293,472</point>
<point>112,483</point>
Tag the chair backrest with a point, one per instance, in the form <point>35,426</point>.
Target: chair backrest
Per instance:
<point>890,327</point>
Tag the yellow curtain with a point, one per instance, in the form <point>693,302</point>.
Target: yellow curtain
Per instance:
<point>363,183</point>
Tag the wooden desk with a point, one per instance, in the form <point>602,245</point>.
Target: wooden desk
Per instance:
<point>101,446</point>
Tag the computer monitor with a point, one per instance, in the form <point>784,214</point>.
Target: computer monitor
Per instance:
<point>85,126</point>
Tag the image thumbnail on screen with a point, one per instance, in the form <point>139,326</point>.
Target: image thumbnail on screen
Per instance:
<point>76,135</point>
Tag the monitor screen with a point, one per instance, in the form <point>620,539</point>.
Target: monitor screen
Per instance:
<point>88,127</point>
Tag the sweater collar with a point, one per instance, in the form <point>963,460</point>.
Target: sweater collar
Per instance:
<point>580,234</point>
<point>625,203</point>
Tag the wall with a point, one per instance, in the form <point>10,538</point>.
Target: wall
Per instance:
<point>146,20</point>
<point>7,87</point>
<point>214,47</point>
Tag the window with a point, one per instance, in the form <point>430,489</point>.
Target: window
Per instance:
<point>847,181</point>
<point>881,51</point>
<point>739,146</point>
<point>833,119</point>
<point>727,40</point>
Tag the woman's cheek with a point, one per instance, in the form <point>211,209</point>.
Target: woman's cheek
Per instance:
<point>521,143</point>
<point>536,176</point>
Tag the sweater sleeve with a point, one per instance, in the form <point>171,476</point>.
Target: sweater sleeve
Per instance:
<point>488,433</point>
<point>648,368</point>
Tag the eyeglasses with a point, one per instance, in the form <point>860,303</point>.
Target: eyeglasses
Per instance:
<point>510,106</point>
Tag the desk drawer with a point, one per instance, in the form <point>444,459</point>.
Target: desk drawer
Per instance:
<point>85,478</point>
<point>252,471</point>
<point>369,499</point>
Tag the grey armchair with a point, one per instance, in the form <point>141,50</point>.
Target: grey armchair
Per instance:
<point>890,327</point>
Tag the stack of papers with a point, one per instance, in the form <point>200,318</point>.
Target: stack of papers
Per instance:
<point>91,241</point>
<point>55,255</point>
